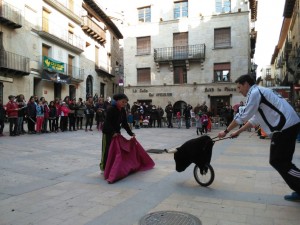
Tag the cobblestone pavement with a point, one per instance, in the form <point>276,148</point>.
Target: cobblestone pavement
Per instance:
<point>54,179</point>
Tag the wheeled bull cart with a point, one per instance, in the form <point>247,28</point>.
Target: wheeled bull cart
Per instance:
<point>199,152</point>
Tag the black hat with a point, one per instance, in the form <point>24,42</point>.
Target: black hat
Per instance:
<point>117,97</point>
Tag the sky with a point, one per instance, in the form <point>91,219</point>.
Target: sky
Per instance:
<point>268,27</point>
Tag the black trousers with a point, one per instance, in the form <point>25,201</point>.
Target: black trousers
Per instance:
<point>106,140</point>
<point>31,123</point>
<point>13,125</point>
<point>170,123</point>
<point>1,126</point>
<point>89,121</point>
<point>281,155</point>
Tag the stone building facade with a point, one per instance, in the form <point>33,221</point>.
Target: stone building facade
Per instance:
<point>57,48</point>
<point>285,60</point>
<point>187,52</point>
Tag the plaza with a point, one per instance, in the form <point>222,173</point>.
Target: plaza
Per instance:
<point>55,179</point>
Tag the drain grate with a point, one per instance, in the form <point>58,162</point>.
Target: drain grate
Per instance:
<point>157,151</point>
<point>169,218</point>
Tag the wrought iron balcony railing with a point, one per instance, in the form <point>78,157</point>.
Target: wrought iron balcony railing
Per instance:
<point>14,63</point>
<point>190,52</point>
<point>95,31</point>
<point>10,15</point>
<point>60,36</point>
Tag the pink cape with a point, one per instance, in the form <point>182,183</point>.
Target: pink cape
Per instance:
<point>125,157</point>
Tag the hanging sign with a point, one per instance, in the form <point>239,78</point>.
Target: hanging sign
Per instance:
<point>53,65</point>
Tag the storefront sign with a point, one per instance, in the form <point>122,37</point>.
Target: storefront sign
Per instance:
<point>160,94</point>
<point>53,65</point>
<point>219,89</point>
<point>141,90</point>
<point>56,77</point>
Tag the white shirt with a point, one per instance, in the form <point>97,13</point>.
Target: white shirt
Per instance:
<point>268,109</point>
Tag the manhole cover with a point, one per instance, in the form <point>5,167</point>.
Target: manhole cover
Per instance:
<point>157,151</point>
<point>169,218</point>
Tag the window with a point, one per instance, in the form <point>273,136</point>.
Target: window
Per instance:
<point>180,75</point>
<point>180,9</point>
<point>223,6</point>
<point>222,72</point>
<point>143,76</point>
<point>70,65</point>
<point>222,38</point>
<point>102,90</point>
<point>180,45</point>
<point>144,14</point>
<point>46,50</point>
<point>268,72</point>
<point>143,45</point>
<point>70,33</point>
<point>45,22</point>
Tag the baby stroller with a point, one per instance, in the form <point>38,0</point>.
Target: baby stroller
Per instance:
<point>199,152</point>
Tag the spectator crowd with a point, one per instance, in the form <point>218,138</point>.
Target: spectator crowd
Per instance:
<point>71,114</point>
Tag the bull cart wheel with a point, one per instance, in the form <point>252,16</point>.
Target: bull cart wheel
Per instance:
<point>204,176</point>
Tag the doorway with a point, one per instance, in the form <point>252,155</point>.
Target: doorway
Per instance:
<point>57,90</point>
<point>217,103</point>
<point>72,91</point>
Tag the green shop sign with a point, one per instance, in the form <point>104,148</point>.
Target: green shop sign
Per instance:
<point>53,65</point>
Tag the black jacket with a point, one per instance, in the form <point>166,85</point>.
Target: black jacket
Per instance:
<point>115,119</point>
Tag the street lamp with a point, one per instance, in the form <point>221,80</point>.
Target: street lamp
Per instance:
<point>253,70</point>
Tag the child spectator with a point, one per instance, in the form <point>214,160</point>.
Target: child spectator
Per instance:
<point>178,119</point>
<point>39,116</point>
<point>64,113</point>
<point>130,120</point>
<point>204,121</point>
<point>198,123</point>
<point>136,117</point>
<point>52,117</point>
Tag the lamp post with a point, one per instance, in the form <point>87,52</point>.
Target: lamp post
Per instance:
<point>253,70</point>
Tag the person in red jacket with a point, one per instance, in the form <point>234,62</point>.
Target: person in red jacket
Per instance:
<point>64,112</point>
<point>12,113</point>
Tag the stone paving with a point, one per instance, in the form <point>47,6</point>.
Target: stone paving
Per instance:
<point>54,179</point>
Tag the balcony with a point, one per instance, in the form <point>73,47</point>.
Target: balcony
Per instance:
<point>14,64</point>
<point>103,69</point>
<point>75,74</point>
<point>190,52</point>
<point>93,30</point>
<point>279,63</point>
<point>10,16</point>
<point>60,36</point>
<point>73,12</point>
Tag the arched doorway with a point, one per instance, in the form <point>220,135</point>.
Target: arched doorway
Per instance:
<point>89,86</point>
<point>178,106</point>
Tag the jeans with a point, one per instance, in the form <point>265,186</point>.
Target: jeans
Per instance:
<point>20,124</point>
